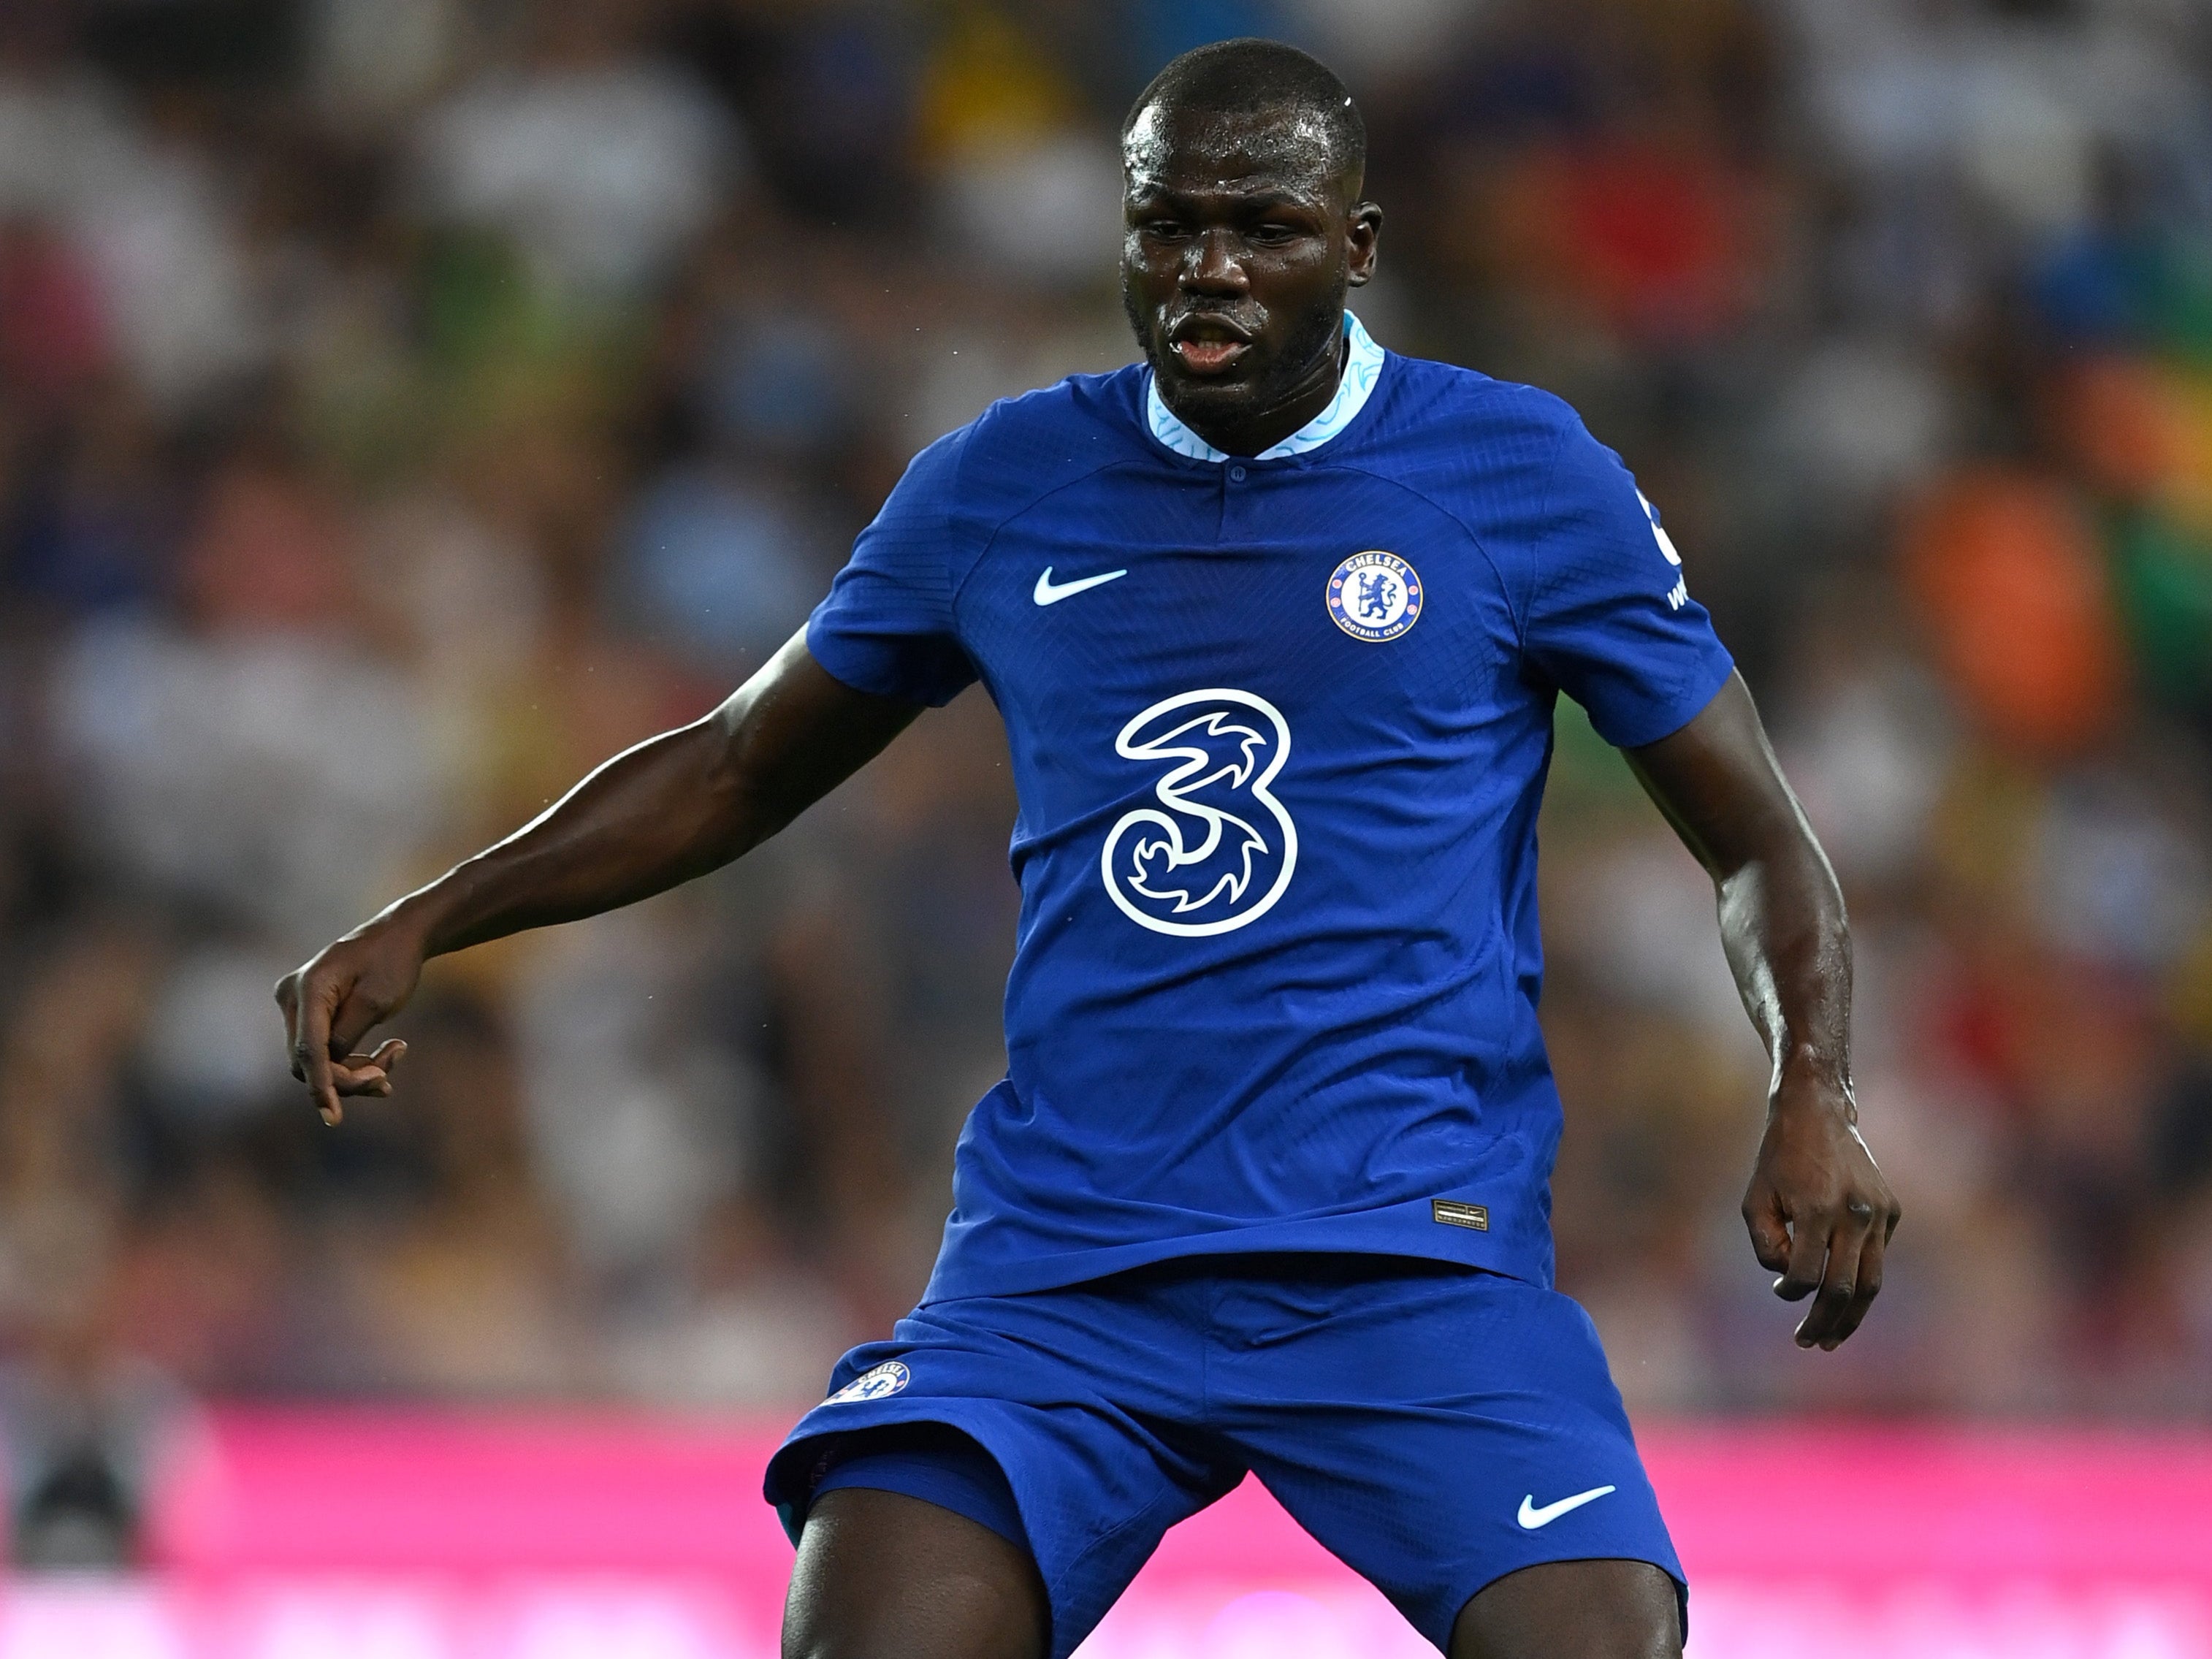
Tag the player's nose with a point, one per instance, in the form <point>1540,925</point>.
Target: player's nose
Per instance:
<point>1212,265</point>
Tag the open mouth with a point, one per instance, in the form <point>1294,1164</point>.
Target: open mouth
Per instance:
<point>1209,356</point>
<point>1207,345</point>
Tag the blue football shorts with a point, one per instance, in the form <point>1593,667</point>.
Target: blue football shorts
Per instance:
<point>1434,1426</point>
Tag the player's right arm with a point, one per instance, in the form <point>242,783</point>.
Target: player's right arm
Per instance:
<point>676,807</point>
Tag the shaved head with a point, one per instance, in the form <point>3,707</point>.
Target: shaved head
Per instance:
<point>1266,78</point>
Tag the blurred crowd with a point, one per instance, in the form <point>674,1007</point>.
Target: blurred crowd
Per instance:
<point>406,404</point>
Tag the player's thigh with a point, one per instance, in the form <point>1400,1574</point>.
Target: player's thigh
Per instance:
<point>880,1573</point>
<point>1440,1429</point>
<point>1589,1609</point>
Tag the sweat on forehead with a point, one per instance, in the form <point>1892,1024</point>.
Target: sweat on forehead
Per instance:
<point>1161,142</point>
<point>1260,98</point>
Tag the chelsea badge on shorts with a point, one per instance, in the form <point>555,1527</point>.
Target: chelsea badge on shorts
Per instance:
<point>887,1378</point>
<point>1375,596</point>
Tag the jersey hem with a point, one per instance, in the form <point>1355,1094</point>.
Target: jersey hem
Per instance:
<point>1504,1255</point>
<point>825,647</point>
<point>1695,698</point>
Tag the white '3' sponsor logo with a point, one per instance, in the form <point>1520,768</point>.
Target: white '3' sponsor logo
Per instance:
<point>1532,1517</point>
<point>1222,852</point>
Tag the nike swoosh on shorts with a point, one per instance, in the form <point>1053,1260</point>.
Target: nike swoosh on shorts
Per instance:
<point>1532,1517</point>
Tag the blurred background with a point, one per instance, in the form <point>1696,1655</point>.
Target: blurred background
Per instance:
<point>406,404</point>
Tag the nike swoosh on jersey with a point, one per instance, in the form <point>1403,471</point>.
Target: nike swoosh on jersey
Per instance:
<point>1532,1517</point>
<point>1047,594</point>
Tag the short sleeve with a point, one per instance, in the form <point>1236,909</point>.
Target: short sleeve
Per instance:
<point>886,626</point>
<point>1609,618</point>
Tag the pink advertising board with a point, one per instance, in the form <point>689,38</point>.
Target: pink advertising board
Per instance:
<point>345,1536</point>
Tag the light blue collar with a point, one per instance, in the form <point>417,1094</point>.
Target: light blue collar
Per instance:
<point>1362,367</point>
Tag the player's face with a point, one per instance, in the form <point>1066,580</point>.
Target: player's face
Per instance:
<point>1239,242</point>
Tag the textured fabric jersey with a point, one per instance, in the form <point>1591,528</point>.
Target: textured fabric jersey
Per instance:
<point>1280,729</point>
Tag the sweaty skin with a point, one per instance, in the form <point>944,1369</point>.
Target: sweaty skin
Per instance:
<point>1820,1212</point>
<point>1242,237</point>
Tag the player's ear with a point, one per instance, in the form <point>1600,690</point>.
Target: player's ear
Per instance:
<point>1363,230</point>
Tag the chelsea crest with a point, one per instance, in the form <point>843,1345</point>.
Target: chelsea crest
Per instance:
<point>887,1379</point>
<point>1375,596</point>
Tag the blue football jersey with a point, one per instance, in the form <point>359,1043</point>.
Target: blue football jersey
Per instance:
<point>1280,729</point>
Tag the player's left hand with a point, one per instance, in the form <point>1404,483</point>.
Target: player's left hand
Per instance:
<point>1820,1214</point>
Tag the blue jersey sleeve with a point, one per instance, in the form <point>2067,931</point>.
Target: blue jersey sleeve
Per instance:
<point>886,626</point>
<point>1609,617</point>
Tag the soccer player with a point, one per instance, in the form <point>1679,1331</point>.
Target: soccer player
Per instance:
<point>1276,620</point>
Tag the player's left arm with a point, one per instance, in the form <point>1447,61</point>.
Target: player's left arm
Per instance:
<point>1820,1214</point>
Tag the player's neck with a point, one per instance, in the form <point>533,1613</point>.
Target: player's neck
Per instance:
<point>1260,431</point>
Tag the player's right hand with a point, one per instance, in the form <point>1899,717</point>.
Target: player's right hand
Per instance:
<point>334,999</point>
